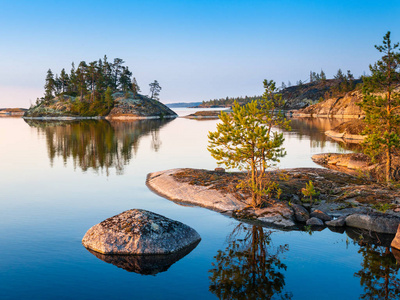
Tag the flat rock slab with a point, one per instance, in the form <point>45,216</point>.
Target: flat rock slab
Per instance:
<point>377,222</point>
<point>164,184</point>
<point>141,232</point>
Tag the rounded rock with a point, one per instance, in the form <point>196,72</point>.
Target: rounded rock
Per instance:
<point>139,231</point>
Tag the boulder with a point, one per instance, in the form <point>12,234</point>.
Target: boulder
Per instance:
<point>315,222</point>
<point>139,231</point>
<point>339,222</point>
<point>378,222</point>
<point>396,241</point>
<point>320,215</point>
<point>300,213</point>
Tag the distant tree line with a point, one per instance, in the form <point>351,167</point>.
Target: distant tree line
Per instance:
<point>338,86</point>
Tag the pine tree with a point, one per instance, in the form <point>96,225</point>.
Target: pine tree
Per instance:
<point>135,87</point>
<point>381,105</point>
<point>64,79</point>
<point>49,86</point>
<point>155,89</point>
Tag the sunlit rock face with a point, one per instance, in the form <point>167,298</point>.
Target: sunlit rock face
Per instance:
<point>139,231</point>
<point>377,222</point>
<point>396,241</point>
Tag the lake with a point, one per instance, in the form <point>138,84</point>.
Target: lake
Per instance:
<point>60,178</point>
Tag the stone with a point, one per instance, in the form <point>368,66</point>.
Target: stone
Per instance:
<point>320,215</point>
<point>378,222</point>
<point>300,213</point>
<point>279,214</point>
<point>339,222</point>
<point>315,222</point>
<point>139,231</point>
<point>220,170</point>
<point>396,241</point>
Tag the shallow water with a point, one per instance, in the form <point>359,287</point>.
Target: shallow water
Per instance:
<point>59,179</point>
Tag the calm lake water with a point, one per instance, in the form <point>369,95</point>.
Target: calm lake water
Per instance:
<point>59,179</point>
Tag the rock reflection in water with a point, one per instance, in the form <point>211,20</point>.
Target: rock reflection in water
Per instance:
<point>145,264</point>
<point>249,267</point>
<point>315,128</point>
<point>379,274</point>
<point>97,144</point>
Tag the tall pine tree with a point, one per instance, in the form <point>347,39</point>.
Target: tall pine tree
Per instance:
<point>382,106</point>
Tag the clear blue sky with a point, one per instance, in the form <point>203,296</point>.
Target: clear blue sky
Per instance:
<point>197,50</point>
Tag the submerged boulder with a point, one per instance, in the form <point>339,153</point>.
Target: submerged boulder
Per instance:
<point>139,231</point>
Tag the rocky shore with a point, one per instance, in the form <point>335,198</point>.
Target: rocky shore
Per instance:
<point>344,200</point>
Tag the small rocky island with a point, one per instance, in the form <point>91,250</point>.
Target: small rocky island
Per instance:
<point>99,89</point>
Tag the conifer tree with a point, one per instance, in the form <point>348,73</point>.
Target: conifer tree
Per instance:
<point>245,140</point>
<point>49,86</point>
<point>155,89</point>
<point>381,105</point>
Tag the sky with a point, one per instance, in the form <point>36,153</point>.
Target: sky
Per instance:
<point>196,50</point>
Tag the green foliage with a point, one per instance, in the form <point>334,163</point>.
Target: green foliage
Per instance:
<point>309,191</point>
<point>382,207</point>
<point>155,89</point>
<point>245,140</point>
<point>381,105</point>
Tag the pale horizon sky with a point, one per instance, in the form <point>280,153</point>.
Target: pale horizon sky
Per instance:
<point>197,50</point>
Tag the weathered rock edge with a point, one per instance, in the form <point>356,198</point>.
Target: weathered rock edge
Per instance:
<point>140,232</point>
<point>164,184</point>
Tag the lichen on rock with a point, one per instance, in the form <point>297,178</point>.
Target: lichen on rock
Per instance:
<point>139,231</point>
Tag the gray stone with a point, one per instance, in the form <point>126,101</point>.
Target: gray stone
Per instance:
<point>339,222</point>
<point>300,213</point>
<point>378,222</point>
<point>314,222</point>
<point>139,231</point>
<point>320,215</point>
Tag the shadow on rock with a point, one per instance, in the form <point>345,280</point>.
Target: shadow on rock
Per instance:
<point>145,264</point>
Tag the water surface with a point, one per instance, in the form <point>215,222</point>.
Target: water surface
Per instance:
<point>58,179</point>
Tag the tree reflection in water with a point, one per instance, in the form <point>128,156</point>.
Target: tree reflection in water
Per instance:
<point>249,268</point>
<point>97,144</point>
<point>378,275</point>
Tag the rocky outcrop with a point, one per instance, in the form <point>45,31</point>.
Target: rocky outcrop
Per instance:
<point>138,231</point>
<point>342,107</point>
<point>145,264</point>
<point>12,112</point>
<point>358,164</point>
<point>164,184</point>
<point>376,222</point>
<point>138,107</point>
<point>126,106</point>
<point>396,241</point>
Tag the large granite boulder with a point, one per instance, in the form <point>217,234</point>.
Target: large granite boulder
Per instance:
<point>396,241</point>
<point>320,215</point>
<point>139,231</point>
<point>378,222</point>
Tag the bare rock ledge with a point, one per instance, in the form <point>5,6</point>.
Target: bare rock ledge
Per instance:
<point>139,231</point>
<point>164,184</point>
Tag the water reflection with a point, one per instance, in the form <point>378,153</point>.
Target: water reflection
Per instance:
<point>97,144</point>
<point>314,129</point>
<point>145,264</point>
<point>379,272</point>
<point>249,267</point>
